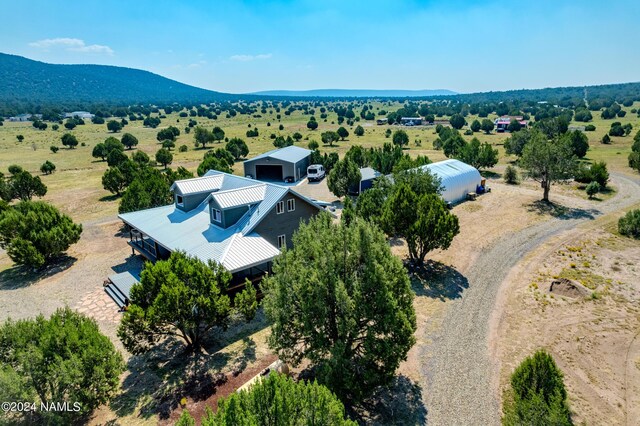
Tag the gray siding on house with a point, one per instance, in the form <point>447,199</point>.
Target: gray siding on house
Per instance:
<point>214,205</point>
<point>229,216</point>
<point>191,201</point>
<point>285,223</point>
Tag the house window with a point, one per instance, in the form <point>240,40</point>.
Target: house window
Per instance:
<point>282,241</point>
<point>291,204</point>
<point>280,207</point>
<point>216,215</point>
<point>179,200</point>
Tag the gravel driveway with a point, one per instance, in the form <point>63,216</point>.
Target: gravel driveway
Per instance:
<point>459,371</point>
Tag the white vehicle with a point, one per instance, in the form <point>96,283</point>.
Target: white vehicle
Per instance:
<point>315,172</point>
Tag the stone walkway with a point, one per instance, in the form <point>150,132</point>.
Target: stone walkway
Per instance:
<point>99,306</point>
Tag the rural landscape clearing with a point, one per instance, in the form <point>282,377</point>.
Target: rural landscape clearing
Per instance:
<point>266,255</point>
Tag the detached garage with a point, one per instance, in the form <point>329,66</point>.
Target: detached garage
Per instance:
<point>279,164</point>
<point>457,178</point>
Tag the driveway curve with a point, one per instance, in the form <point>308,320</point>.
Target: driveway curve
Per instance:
<point>458,369</point>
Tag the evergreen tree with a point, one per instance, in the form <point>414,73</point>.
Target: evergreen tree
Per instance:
<point>181,297</point>
<point>62,359</point>
<point>537,395</point>
<point>33,233</point>
<point>326,298</point>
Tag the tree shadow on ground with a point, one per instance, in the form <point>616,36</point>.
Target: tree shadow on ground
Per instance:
<point>23,276</point>
<point>400,403</point>
<point>437,280</point>
<point>133,264</point>
<point>159,379</point>
<point>559,211</point>
<point>396,242</point>
<point>123,232</point>
<point>111,197</point>
<point>490,175</point>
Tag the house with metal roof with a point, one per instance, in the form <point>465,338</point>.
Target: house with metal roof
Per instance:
<point>238,222</point>
<point>279,165</point>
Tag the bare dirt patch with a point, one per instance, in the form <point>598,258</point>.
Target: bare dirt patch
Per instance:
<point>594,338</point>
<point>568,288</point>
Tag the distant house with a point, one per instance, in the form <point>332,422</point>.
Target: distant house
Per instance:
<point>238,222</point>
<point>367,179</point>
<point>503,122</point>
<point>24,117</point>
<point>382,121</point>
<point>411,121</point>
<point>279,164</point>
<point>79,114</point>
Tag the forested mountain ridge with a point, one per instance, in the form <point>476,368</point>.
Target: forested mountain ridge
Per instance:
<point>27,82</point>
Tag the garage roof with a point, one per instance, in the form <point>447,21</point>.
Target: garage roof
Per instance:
<point>292,154</point>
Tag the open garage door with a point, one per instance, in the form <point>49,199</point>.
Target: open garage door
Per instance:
<point>270,172</point>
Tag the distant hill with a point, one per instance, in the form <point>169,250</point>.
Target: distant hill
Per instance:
<point>356,93</point>
<point>39,83</point>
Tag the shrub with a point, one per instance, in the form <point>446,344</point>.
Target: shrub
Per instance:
<point>277,399</point>
<point>62,359</point>
<point>634,161</point>
<point>34,232</point>
<point>606,139</point>
<point>537,395</point>
<point>592,189</point>
<point>47,167</point>
<point>599,173</point>
<point>629,224</point>
<point>183,148</point>
<point>589,128</point>
<point>54,148</point>
<point>511,175</point>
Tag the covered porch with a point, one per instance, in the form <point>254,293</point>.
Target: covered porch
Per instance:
<point>146,246</point>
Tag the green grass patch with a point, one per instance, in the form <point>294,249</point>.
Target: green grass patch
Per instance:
<point>586,278</point>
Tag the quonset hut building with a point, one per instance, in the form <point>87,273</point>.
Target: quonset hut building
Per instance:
<point>457,178</point>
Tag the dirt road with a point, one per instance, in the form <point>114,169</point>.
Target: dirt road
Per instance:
<point>459,370</point>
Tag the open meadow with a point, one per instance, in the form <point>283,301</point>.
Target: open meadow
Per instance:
<point>500,235</point>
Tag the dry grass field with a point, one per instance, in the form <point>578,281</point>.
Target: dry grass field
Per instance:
<point>592,340</point>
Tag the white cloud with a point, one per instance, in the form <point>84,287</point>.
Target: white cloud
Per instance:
<point>196,64</point>
<point>247,58</point>
<point>71,45</point>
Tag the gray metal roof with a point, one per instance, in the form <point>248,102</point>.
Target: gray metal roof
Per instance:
<point>236,247</point>
<point>240,196</point>
<point>292,154</point>
<point>206,183</point>
<point>367,173</point>
<point>192,232</point>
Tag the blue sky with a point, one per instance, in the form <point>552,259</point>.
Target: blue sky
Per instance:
<point>246,46</point>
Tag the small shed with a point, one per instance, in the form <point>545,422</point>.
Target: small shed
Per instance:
<point>279,164</point>
<point>457,178</point>
<point>368,177</point>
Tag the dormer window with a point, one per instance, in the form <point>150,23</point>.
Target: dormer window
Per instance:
<point>179,200</point>
<point>216,215</point>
